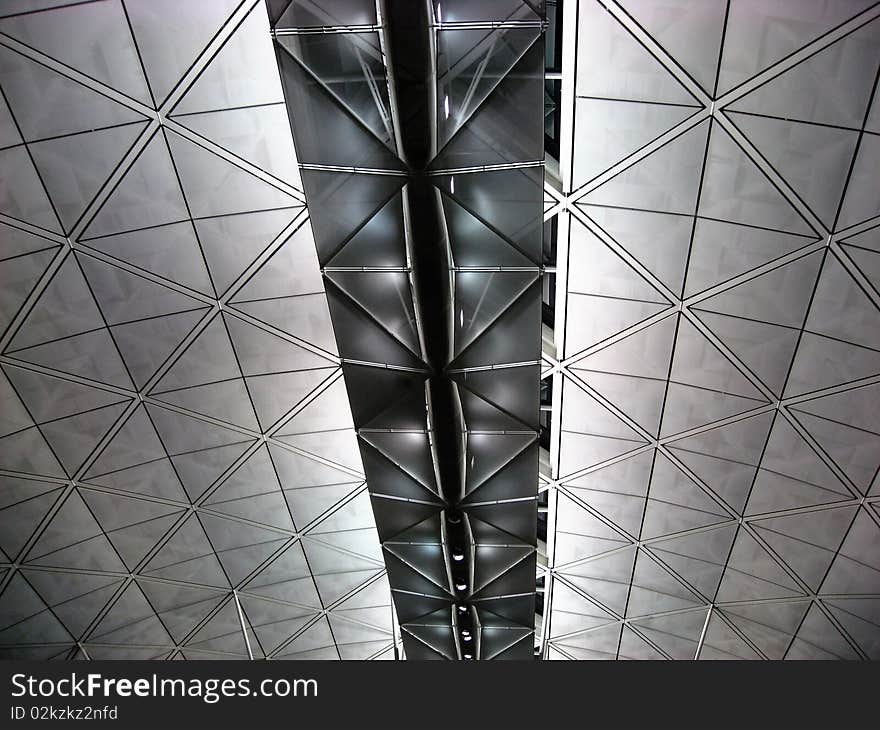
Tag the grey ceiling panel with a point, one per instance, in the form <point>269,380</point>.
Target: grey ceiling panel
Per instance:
<point>179,473</point>
<point>182,472</point>
<point>714,453</point>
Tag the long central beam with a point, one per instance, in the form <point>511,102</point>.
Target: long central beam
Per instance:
<point>420,139</point>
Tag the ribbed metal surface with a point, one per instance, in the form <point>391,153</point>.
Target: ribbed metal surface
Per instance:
<point>421,144</point>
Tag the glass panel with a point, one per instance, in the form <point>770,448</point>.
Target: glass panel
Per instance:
<point>324,132</point>
<point>350,66</point>
<point>458,11</point>
<point>310,13</point>
<point>470,63</point>
<point>508,200</point>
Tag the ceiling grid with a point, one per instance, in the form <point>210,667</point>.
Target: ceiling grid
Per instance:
<point>716,380</point>
<point>179,474</point>
<point>199,457</point>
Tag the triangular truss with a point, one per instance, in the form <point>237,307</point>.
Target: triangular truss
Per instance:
<point>373,245</point>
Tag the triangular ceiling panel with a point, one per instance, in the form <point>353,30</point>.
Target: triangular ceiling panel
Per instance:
<point>171,251</point>
<point>846,427</point>
<point>20,274</point>
<point>107,54</point>
<point>64,309</point>
<point>735,190</point>
<point>632,372</point>
<point>691,34</point>
<point>232,243</point>
<point>75,167</point>
<point>504,128</point>
<point>259,135</point>
<point>214,186</point>
<point>123,365</point>
<point>760,319</point>
<point>792,474</point>
<point>50,105</point>
<point>726,458</point>
<point>188,557</point>
<point>751,571</point>
<point>820,179</point>
<point>616,65</point>
<point>659,241</point>
<point>25,503</point>
<point>807,542</point>
<point>224,82</point>
<point>704,385</point>
<point>746,53</point>
<point>23,195</point>
<point>613,130</point>
<point>148,194</point>
<point>860,201</point>
<point>646,183</point>
<point>617,492</point>
<point>355,145</point>
<point>721,251</point>
<point>171,38</point>
<point>831,87</point>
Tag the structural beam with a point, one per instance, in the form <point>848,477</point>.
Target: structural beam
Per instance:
<point>420,132</point>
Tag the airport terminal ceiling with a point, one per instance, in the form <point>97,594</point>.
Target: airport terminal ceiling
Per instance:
<point>455,329</point>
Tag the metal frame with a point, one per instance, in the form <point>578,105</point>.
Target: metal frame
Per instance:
<point>568,207</point>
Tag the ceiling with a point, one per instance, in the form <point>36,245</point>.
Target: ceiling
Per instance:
<point>716,374</point>
<point>180,471</point>
<point>179,475</point>
<point>431,264</point>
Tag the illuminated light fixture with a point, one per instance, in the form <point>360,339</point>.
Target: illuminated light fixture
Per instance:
<point>461,318</point>
<point>468,656</point>
<point>467,638</point>
<point>460,585</point>
<point>462,609</point>
<point>465,632</point>
<point>446,105</point>
<point>458,556</point>
<point>452,184</point>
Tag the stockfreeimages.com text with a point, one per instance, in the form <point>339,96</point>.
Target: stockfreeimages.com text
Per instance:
<point>209,690</point>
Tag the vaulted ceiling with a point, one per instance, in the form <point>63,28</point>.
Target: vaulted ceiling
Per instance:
<point>181,472</point>
<point>714,485</point>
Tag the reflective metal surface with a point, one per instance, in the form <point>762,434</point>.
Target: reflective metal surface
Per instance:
<point>198,461</point>
<point>714,467</point>
<point>179,474</point>
<point>431,268</point>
